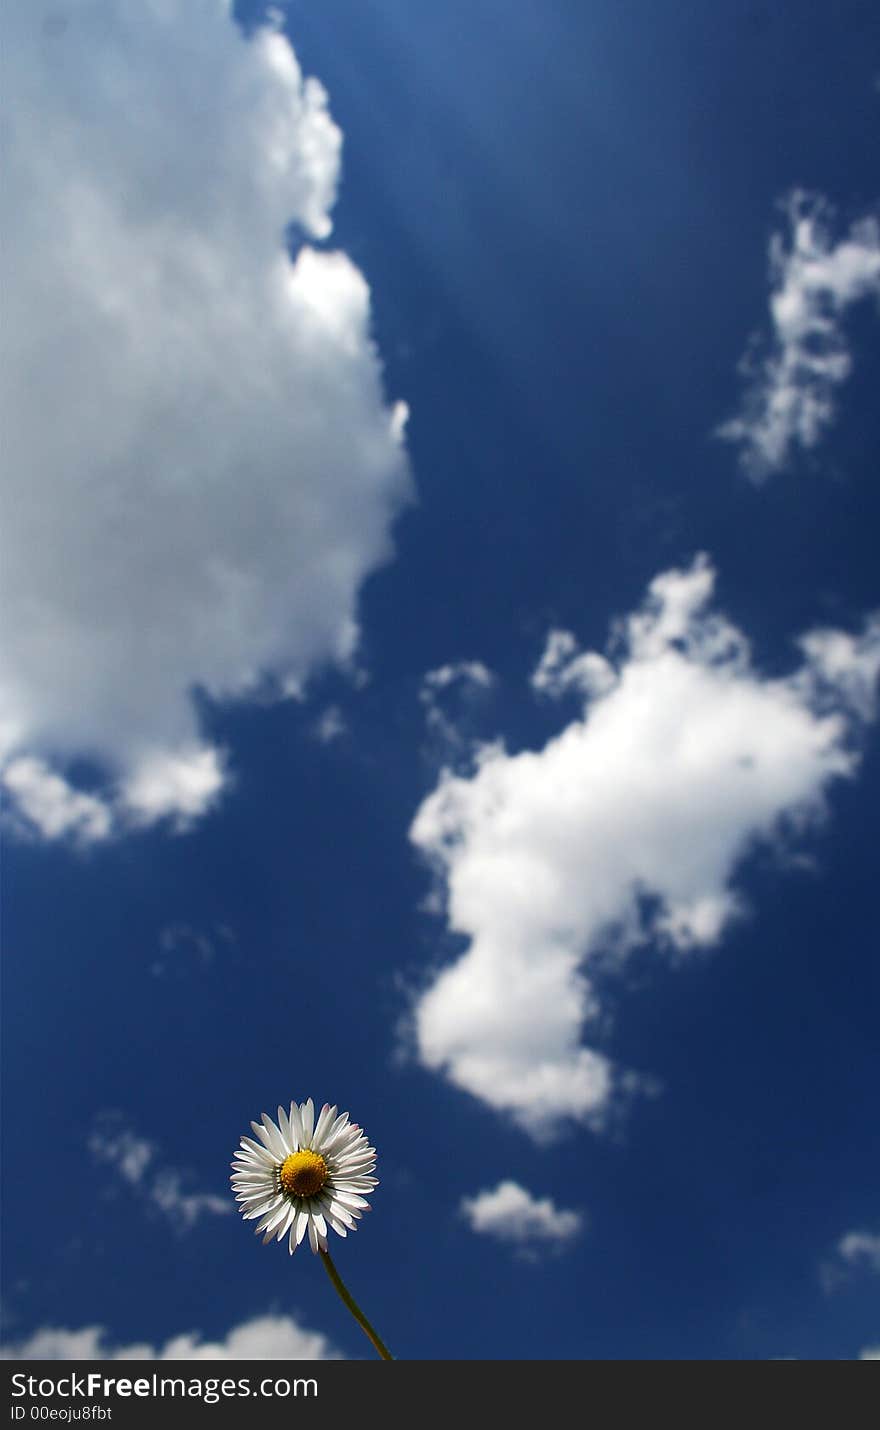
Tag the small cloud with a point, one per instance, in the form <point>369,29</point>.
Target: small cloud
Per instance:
<point>856,1251</point>
<point>134,1159</point>
<point>860,1249</point>
<point>790,398</point>
<point>130,1155</point>
<point>870,1353</point>
<point>564,670</point>
<point>468,671</point>
<point>183,1207</point>
<point>181,785</point>
<point>262,1338</point>
<point>330,725</point>
<point>843,667</point>
<point>52,807</point>
<point>464,681</point>
<point>181,946</point>
<point>511,1214</point>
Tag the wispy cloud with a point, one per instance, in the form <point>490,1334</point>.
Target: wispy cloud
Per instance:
<point>231,467</point>
<point>182,947</point>
<point>860,1249</point>
<point>856,1251</point>
<point>449,695</point>
<point>136,1162</point>
<point>330,725</point>
<point>262,1338</point>
<point>512,1214</point>
<point>626,827</point>
<point>130,1155</point>
<point>790,396</point>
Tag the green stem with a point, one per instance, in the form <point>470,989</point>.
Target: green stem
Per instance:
<point>353,1306</point>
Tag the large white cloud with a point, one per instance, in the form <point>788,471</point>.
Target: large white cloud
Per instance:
<point>263,1338</point>
<point>199,462</point>
<point>628,825</point>
<point>790,399</point>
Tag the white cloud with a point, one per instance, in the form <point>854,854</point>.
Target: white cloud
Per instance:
<point>465,681</point>
<point>790,398</point>
<point>860,1248</point>
<point>132,1157</point>
<point>870,1353</point>
<point>469,671</point>
<point>184,1207</point>
<point>843,666</point>
<point>512,1214</point>
<point>263,1338</point>
<point>51,807</point>
<point>628,825</point>
<point>181,784</point>
<point>330,725</point>
<point>183,947</point>
<point>563,670</point>
<point>200,466</point>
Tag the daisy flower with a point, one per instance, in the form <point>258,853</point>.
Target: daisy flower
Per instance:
<point>303,1176</point>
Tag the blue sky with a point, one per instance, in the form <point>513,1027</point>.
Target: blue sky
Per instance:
<point>440,671</point>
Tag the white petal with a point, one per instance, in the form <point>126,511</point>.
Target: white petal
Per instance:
<point>278,1216</point>
<point>345,1212</point>
<point>257,1204</point>
<point>287,1223</point>
<point>334,1136</point>
<point>313,1236</point>
<point>284,1126</point>
<point>353,1152</point>
<point>328,1113</point>
<point>247,1159</point>
<point>346,1139</point>
<point>260,1131</point>
<point>276,1141</point>
<point>296,1130</point>
<point>307,1113</point>
<point>336,1213</point>
<point>349,1199</point>
<point>265,1209</point>
<point>353,1169</point>
<point>353,1162</point>
<point>302,1221</point>
<point>262,1153</point>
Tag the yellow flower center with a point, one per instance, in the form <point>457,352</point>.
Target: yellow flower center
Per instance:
<point>303,1174</point>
